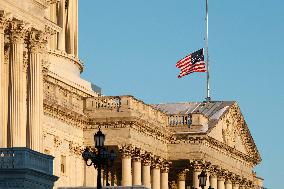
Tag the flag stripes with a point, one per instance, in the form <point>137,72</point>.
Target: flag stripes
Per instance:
<point>191,63</point>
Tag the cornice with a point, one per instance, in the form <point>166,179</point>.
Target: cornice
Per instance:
<point>48,79</point>
<point>66,115</point>
<point>215,144</point>
<point>137,124</point>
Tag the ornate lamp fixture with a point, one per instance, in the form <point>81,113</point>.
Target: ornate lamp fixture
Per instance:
<point>202,180</point>
<point>100,157</point>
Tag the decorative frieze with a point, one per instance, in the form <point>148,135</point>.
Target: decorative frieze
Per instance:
<point>57,141</point>
<point>75,148</point>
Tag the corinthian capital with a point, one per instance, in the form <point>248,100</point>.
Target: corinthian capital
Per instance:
<point>166,166</point>
<point>4,19</point>
<point>182,174</point>
<point>37,41</point>
<point>18,31</point>
<point>126,151</point>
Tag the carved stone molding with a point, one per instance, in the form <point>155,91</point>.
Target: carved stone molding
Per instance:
<point>18,31</point>
<point>166,166</point>
<point>4,19</point>
<point>173,185</point>
<point>75,149</point>
<point>57,141</point>
<point>182,174</point>
<point>156,162</point>
<point>199,165</point>
<point>37,41</point>
<point>146,159</point>
<point>137,154</point>
<point>126,151</point>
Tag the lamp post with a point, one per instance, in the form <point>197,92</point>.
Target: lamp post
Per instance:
<point>202,180</point>
<point>100,157</point>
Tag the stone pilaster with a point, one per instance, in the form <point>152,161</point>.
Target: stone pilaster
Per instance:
<point>136,179</point>
<point>37,46</point>
<point>146,163</point>
<point>156,173</point>
<point>17,101</point>
<point>182,178</point>
<point>165,175</point>
<point>126,165</point>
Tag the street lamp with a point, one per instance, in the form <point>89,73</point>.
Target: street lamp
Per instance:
<point>202,180</point>
<point>99,157</point>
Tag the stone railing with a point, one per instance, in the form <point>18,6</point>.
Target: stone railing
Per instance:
<point>179,120</point>
<point>25,158</point>
<point>126,106</point>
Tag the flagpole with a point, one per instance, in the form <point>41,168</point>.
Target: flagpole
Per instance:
<point>207,56</point>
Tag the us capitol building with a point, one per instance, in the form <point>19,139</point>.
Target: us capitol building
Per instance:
<point>47,107</point>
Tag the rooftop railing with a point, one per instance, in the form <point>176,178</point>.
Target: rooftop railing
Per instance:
<point>127,105</point>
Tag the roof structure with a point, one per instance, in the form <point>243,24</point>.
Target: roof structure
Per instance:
<point>213,109</point>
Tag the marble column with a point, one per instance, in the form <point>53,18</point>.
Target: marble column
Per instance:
<point>228,184</point>
<point>213,180</point>
<point>126,166</point>
<point>136,179</point>
<point>165,176</point>
<point>146,173</point>
<point>181,179</point>
<point>235,185</point>
<point>3,88</point>
<point>156,177</point>
<point>90,177</point>
<point>61,22</point>
<point>221,182</point>
<point>70,29</point>
<point>17,100</point>
<point>37,46</point>
<point>196,171</point>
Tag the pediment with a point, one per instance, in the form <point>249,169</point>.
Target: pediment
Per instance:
<point>232,130</point>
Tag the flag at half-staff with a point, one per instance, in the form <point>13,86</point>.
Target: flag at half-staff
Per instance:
<point>193,62</point>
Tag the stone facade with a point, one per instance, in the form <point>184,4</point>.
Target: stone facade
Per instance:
<point>46,106</point>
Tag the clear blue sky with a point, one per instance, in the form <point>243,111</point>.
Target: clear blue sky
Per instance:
<point>131,47</point>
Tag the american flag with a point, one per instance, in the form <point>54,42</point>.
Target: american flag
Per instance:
<point>191,63</point>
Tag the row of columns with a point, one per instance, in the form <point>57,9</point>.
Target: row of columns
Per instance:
<point>21,116</point>
<point>143,169</point>
<point>216,178</point>
<point>65,14</point>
